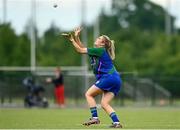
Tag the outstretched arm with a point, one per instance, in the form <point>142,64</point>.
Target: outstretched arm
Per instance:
<point>77,32</point>
<point>79,48</point>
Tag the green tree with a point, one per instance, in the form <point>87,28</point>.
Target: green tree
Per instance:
<point>22,51</point>
<point>55,50</point>
<point>8,42</point>
<point>141,13</point>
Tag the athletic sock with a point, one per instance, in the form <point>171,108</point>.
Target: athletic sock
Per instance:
<point>114,118</point>
<point>94,112</point>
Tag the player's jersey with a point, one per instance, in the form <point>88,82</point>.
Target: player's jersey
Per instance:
<point>101,62</point>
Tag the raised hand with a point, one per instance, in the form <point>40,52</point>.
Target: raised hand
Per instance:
<point>66,35</point>
<point>77,31</point>
<point>71,38</point>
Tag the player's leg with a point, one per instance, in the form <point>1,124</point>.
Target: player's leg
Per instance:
<point>90,94</point>
<point>105,103</point>
<point>61,96</point>
<point>56,93</point>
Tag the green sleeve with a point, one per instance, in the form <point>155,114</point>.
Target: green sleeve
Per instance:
<point>96,51</point>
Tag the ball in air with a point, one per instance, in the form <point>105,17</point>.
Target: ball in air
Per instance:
<point>55,5</point>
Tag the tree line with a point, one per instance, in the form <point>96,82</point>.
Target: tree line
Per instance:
<point>136,26</point>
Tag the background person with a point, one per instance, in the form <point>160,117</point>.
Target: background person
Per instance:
<point>58,87</point>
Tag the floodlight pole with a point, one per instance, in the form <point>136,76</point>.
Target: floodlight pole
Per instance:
<point>168,23</point>
<point>96,28</point>
<point>84,40</point>
<point>32,35</point>
<point>4,11</point>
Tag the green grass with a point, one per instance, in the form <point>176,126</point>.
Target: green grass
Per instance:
<point>136,118</point>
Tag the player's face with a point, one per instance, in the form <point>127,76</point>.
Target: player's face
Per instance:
<point>57,73</point>
<point>99,42</point>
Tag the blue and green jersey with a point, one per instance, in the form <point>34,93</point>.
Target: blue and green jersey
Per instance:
<point>101,62</point>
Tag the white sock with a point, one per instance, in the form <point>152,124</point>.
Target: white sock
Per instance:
<point>116,122</point>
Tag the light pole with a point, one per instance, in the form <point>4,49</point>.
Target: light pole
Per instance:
<point>96,28</point>
<point>168,23</point>
<point>84,40</point>
<point>4,11</point>
<point>33,35</point>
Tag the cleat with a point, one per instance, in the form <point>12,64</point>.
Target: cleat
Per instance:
<point>115,125</point>
<point>91,121</point>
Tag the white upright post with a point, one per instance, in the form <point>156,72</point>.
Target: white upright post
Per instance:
<point>4,11</point>
<point>32,35</point>
<point>84,40</point>
<point>168,27</point>
<point>96,28</point>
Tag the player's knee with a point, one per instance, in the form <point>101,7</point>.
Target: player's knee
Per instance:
<point>103,104</point>
<point>87,95</point>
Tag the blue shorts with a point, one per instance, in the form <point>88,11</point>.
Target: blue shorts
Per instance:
<point>110,83</point>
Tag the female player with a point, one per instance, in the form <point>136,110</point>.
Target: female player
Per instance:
<point>108,81</point>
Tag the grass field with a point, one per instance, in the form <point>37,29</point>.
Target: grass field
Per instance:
<point>131,118</point>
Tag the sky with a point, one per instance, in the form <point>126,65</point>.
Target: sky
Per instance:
<point>67,15</point>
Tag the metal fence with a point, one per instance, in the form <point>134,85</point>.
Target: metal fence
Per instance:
<point>134,91</point>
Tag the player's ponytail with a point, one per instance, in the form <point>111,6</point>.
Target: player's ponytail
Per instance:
<point>111,49</point>
<point>109,44</point>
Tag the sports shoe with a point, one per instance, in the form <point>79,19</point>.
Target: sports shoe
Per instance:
<point>115,125</point>
<point>91,121</point>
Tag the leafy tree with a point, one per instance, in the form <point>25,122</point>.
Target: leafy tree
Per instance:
<point>55,50</point>
<point>141,13</point>
<point>22,51</point>
<point>137,26</point>
<point>8,42</point>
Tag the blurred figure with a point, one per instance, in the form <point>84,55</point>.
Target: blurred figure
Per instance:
<point>58,87</point>
<point>35,96</point>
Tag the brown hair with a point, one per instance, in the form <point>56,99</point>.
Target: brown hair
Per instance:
<point>109,45</point>
<point>58,69</point>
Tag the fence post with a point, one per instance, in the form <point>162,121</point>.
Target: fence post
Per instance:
<point>2,99</point>
<point>153,98</point>
<point>135,89</point>
<point>122,96</point>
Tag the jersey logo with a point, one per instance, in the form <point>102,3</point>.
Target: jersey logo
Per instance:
<point>93,61</point>
<point>97,82</point>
